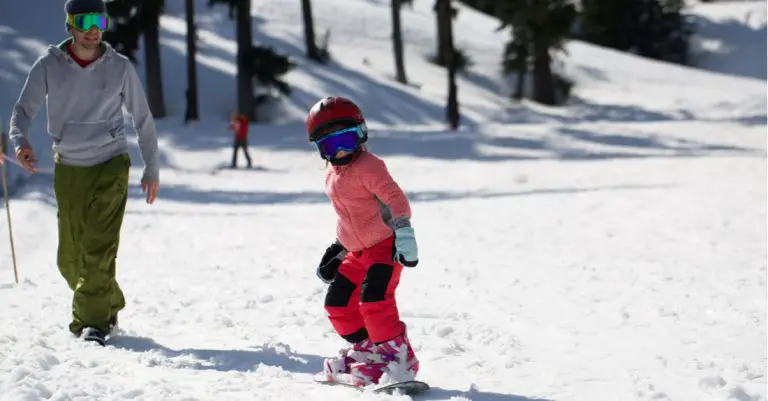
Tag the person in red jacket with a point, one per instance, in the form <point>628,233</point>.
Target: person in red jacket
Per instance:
<point>239,125</point>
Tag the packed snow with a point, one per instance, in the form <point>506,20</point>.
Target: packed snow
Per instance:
<point>613,249</point>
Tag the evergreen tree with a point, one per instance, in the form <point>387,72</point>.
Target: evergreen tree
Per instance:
<point>256,64</point>
<point>538,27</point>
<point>268,67</point>
<point>651,28</point>
<point>124,33</point>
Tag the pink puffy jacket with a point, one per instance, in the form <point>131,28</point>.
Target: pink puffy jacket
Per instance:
<point>367,201</point>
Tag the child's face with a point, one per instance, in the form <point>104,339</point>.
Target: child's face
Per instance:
<point>341,154</point>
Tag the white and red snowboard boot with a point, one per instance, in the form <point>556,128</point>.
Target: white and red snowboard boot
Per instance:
<point>398,359</point>
<point>356,366</point>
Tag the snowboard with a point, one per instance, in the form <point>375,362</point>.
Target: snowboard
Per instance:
<point>412,387</point>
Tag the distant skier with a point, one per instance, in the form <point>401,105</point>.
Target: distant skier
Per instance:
<point>238,123</point>
<point>374,240</point>
<point>85,83</point>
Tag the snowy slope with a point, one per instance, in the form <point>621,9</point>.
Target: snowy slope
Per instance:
<point>611,250</point>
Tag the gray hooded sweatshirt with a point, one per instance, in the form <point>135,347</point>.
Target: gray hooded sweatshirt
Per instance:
<point>84,107</point>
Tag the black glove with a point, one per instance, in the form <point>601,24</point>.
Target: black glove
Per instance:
<point>330,262</point>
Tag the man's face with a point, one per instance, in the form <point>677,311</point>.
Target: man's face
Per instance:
<point>89,39</point>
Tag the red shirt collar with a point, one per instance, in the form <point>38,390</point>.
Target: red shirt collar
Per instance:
<point>78,60</point>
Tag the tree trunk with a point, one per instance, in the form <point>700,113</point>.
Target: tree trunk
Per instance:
<point>543,83</point>
<point>520,88</point>
<point>152,59</point>
<point>452,109</point>
<point>192,112</point>
<point>440,56</point>
<point>522,70</point>
<point>397,41</point>
<point>245,97</point>
<point>309,30</point>
<point>443,38</point>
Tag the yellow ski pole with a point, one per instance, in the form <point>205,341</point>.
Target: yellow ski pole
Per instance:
<point>8,206</point>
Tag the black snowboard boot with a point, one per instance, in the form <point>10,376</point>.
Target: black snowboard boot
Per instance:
<point>95,335</point>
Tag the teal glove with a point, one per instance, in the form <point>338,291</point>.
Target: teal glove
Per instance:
<point>406,251</point>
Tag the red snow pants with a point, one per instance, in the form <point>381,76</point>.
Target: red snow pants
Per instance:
<point>361,299</point>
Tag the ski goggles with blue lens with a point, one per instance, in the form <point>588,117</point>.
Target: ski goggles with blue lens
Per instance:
<point>346,139</point>
<point>85,22</point>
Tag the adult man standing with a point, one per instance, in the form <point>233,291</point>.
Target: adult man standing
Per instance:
<point>86,83</point>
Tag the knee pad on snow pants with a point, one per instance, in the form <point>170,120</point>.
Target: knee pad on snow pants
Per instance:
<point>361,300</point>
<point>342,311</point>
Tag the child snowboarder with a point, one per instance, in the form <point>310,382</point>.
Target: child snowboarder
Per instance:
<point>374,240</point>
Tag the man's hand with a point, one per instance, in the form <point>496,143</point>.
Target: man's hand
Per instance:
<point>27,159</point>
<point>150,188</point>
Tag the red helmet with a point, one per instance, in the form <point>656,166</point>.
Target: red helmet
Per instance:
<point>334,110</point>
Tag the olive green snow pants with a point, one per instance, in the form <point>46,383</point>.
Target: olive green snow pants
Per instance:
<point>91,203</point>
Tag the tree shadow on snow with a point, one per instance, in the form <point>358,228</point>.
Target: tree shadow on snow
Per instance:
<point>242,360</point>
<point>733,40</point>
<point>40,187</point>
<point>187,194</point>
<point>580,110</point>
<point>564,143</point>
<point>665,143</point>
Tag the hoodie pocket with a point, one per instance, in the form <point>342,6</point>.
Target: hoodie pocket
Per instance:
<point>79,136</point>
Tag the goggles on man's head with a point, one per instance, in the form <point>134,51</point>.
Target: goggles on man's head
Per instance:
<point>85,22</point>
